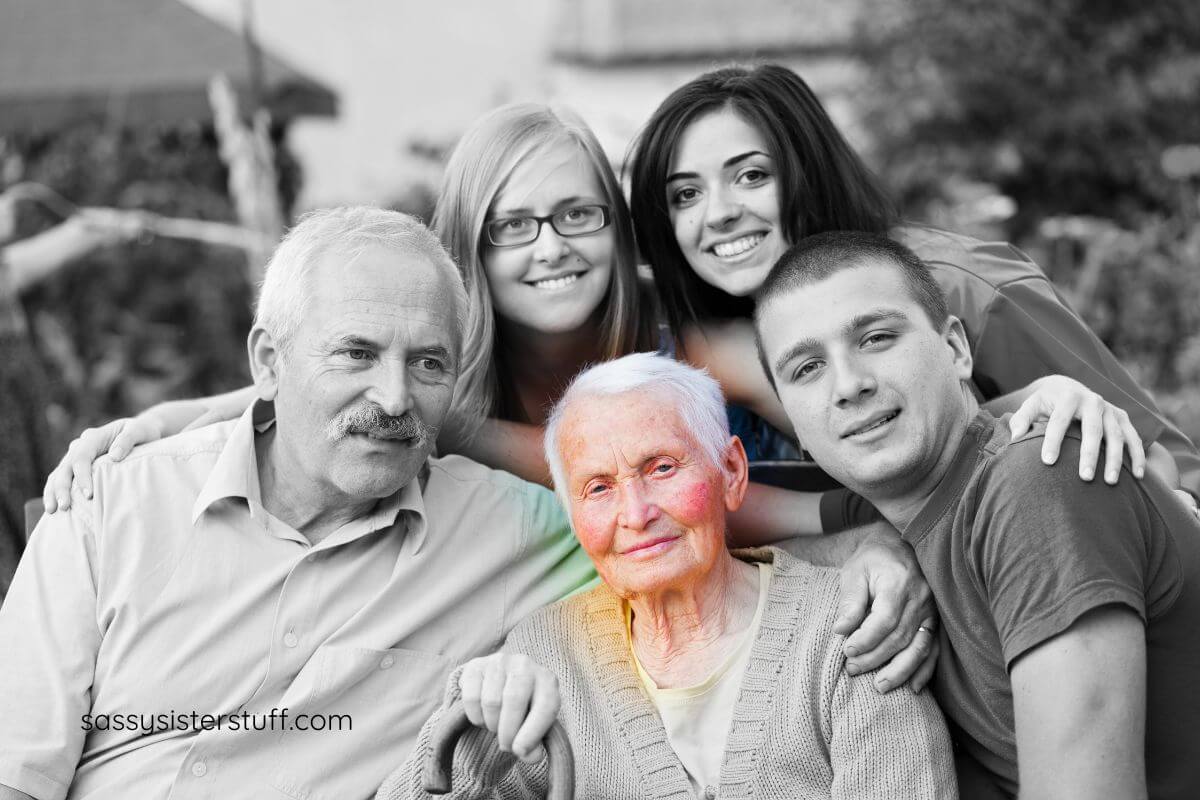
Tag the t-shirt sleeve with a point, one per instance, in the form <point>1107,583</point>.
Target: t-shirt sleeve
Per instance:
<point>842,509</point>
<point>1029,332</point>
<point>49,640</point>
<point>1050,547</point>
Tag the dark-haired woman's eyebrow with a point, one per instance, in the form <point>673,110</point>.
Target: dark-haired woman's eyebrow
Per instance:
<point>733,162</point>
<point>729,162</point>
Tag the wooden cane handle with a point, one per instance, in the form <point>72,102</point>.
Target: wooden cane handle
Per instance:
<point>439,759</point>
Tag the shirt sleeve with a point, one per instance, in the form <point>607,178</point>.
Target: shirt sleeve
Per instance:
<point>888,745</point>
<point>49,639</point>
<point>1029,332</point>
<point>551,565</point>
<point>1050,547</point>
<point>842,509</point>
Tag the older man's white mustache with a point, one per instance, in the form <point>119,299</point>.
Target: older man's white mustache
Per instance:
<point>372,421</point>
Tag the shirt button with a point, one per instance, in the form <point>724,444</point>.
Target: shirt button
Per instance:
<point>290,639</point>
<point>386,662</point>
<point>199,769</point>
<point>710,793</point>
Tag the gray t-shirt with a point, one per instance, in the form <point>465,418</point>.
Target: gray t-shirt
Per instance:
<point>1015,552</point>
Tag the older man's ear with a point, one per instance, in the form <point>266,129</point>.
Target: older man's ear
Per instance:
<point>264,359</point>
<point>737,473</point>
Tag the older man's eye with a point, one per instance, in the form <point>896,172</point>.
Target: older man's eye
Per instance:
<point>358,354</point>
<point>663,468</point>
<point>430,364</point>
<point>596,489</point>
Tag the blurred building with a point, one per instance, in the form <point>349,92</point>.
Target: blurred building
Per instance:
<point>411,75</point>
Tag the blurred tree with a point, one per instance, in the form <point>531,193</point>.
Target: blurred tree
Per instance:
<point>1065,105</point>
<point>130,326</point>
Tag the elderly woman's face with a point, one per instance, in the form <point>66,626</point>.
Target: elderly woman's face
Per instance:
<point>647,503</point>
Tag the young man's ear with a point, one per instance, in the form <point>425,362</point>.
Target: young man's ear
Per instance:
<point>264,363</point>
<point>960,349</point>
<point>737,473</point>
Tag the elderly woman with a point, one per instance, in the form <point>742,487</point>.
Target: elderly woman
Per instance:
<point>692,671</point>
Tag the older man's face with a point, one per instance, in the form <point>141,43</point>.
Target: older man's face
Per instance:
<point>647,503</point>
<point>368,379</point>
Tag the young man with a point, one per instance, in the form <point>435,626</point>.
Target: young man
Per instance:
<point>1069,664</point>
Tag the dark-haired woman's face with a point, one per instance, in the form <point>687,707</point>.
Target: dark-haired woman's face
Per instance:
<point>722,194</point>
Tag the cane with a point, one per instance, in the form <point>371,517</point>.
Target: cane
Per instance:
<point>435,776</point>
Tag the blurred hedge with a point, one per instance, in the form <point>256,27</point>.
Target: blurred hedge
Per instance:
<point>129,326</point>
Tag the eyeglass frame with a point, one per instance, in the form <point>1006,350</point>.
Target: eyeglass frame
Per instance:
<point>605,215</point>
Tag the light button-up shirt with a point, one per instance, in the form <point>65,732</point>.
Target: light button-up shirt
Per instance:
<point>174,591</point>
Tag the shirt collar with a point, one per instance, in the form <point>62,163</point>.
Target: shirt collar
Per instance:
<point>235,474</point>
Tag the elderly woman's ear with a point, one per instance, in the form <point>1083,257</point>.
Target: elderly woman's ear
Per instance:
<point>737,473</point>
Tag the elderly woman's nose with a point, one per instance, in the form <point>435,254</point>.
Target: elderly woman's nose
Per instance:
<point>637,508</point>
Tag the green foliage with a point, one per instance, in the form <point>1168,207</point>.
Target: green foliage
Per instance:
<point>1067,108</point>
<point>1065,105</point>
<point>129,326</point>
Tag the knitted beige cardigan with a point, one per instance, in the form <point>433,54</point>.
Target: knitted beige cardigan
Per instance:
<point>802,727</point>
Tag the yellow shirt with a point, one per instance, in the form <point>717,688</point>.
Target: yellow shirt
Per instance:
<point>697,718</point>
<point>174,592</point>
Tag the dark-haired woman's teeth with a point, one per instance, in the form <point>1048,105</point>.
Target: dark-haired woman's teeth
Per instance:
<point>738,246</point>
<point>556,283</point>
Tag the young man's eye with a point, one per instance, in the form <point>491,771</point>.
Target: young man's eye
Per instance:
<point>806,370</point>
<point>878,338</point>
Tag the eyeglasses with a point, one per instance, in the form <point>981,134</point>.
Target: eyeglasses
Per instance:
<point>573,221</point>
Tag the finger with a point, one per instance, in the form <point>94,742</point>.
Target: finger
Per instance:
<point>81,470</point>
<point>491,697</point>
<point>54,482</point>
<point>543,710</point>
<point>891,637</point>
<point>904,665</point>
<point>1133,445</point>
<point>924,673</point>
<point>1114,448</point>
<point>1056,430</point>
<point>853,602</point>
<point>470,687</point>
<point>1022,419</point>
<point>1093,430</point>
<point>515,699</point>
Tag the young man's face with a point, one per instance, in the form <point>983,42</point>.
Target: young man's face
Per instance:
<point>874,390</point>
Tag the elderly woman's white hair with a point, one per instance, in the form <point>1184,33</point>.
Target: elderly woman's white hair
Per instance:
<point>285,296</point>
<point>695,395</point>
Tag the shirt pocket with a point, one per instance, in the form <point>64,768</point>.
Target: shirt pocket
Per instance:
<point>371,704</point>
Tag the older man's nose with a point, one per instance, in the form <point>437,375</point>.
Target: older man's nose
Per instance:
<point>392,391</point>
<point>637,509</point>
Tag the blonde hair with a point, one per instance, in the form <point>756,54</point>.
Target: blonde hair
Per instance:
<point>482,161</point>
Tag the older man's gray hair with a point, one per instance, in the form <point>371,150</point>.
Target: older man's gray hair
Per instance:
<point>693,393</point>
<point>285,296</point>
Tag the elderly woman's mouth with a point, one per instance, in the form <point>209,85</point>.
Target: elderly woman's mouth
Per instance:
<point>651,547</point>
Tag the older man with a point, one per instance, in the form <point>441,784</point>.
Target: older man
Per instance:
<point>269,607</point>
<point>1070,665</point>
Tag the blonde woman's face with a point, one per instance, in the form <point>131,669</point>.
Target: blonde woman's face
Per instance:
<point>555,283</point>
